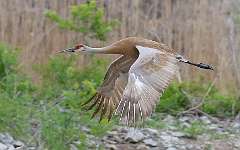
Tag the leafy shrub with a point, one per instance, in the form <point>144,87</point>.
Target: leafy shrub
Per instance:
<point>180,97</point>
<point>15,93</point>
<point>52,108</point>
<point>173,100</point>
<point>68,85</point>
<point>86,18</point>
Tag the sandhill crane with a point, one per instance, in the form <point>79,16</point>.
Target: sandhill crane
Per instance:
<point>135,81</point>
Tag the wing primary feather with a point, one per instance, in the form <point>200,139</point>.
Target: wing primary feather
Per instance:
<point>98,107</point>
<point>85,103</point>
<point>95,100</point>
<point>104,111</point>
<point>111,111</point>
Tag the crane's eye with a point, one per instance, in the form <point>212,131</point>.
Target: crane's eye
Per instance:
<point>78,46</point>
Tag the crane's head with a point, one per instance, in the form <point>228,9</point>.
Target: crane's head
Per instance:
<point>76,48</point>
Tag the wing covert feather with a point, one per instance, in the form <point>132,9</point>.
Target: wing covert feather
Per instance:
<point>148,77</point>
<point>110,92</point>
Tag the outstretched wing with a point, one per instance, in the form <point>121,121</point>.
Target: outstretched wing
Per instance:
<point>148,77</point>
<point>110,92</point>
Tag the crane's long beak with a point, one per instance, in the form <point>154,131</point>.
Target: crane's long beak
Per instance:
<point>70,50</point>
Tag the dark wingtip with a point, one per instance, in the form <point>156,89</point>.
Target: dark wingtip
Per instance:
<point>88,101</point>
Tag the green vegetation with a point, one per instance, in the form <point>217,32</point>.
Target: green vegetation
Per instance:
<point>156,121</point>
<point>15,93</point>
<point>64,88</point>
<point>179,97</point>
<point>87,19</point>
<point>52,109</point>
<point>196,128</point>
<point>173,100</point>
<point>50,113</point>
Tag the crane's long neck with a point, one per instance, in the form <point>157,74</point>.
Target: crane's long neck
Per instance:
<point>102,50</point>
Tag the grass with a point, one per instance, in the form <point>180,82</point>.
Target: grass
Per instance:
<point>50,114</point>
<point>181,96</point>
<point>196,128</point>
<point>156,122</point>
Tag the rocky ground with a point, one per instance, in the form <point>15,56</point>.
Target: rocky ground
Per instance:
<point>185,133</point>
<point>8,143</point>
<point>182,133</point>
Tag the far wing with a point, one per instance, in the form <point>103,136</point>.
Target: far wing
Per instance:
<point>148,77</point>
<point>110,92</point>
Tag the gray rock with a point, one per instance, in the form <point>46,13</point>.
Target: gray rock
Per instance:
<point>123,130</point>
<point>91,142</point>
<point>236,125</point>
<point>151,131</point>
<point>31,148</point>
<point>73,147</point>
<point>6,138</point>
<point>184,119</point>
<point>3,147</point>
<point>18,144</point>
<point>172,148</point>
<point>168,138</point>
<point>213,127</point>
<point>112,132</point>
<point>150,142</point>
<point>237,145</point>
<point>111,141</point>
<point>178,134</point>
<point>85,129</point>
<point>142,147</point>
<point>171,127</point>
<point>11,147</point>
<point>169,119</point>
<point>77,142</point>
<point>134,136</point>
<point>181,147</point>
<point>205,120</point>
<point>190,147</point>
<point>111,147</point>
<point>186,125</point>
<point>198,147</point>
<point>90,136</point>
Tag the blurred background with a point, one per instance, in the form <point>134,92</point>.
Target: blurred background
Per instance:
<point>41,92</point>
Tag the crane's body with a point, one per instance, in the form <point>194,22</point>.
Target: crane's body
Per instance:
<point>135,81</point>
